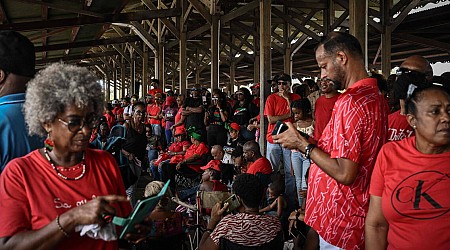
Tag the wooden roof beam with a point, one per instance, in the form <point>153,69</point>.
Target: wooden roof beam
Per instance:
<point>93,43</point>
<point>83,20</point>
<point>239,12</point>
<point>204,12</point>
<point>422,41</point>
<point>404,14</point>
<point>296,24</point>
<point>170,26</point>
<point>77,57</point>
<point>65,6</point>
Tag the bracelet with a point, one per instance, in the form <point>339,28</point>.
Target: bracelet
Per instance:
<point>61,228</point>
<point>209,230</point>
<point>308,150</point>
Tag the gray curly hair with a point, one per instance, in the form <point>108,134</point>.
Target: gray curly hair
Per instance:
<point>57,87</point>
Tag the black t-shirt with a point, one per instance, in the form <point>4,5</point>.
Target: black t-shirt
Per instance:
<point>242,114</point>
<point>194,119</point>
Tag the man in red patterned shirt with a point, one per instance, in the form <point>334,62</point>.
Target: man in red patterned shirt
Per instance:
<point>338,183</point>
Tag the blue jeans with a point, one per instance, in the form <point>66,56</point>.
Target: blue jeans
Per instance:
<point>188,194</point>
<point>276,153</point>
<point>152,155</point>
<point>300,165</point>
<point>168,136</point>
<point>156,130</point>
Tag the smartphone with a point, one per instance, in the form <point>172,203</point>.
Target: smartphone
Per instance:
<point>233,203</point>
<point>280,127</point>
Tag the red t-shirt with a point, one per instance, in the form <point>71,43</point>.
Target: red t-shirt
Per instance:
<point>153,110</point>
<point>201,149</point>
<point>414,195</point>
<point>356,131</point>
<point>178,146</point>
<point>398,127</point>
<point>322,113</point>
<point>256,101</point>
<point>178,118</point>
<point>110,119</point>
<point>32,194</point>
<point>262,165</point>
<point>276,106</point>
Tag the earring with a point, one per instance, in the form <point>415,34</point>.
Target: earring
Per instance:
<point>414,127</point>
<point>49,142</point>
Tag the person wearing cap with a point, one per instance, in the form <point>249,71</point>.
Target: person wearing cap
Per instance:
<point>211,181</point>
<point>154,115</point>
<point>273,84</point>
<point>244,110</point>
<point>194,112</point>
<point>17,62</point>
<point>180,164</point>
<point>117,111</point>
<point>255,93</point>
<point>235,138</point>
<point>176,149</point>
<point>278,108</point>
<point>169,113</point>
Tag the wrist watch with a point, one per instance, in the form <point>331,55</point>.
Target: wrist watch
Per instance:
<point>308,150</point>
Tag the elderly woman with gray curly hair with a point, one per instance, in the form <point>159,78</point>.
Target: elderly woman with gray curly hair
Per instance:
<point>48,195</point>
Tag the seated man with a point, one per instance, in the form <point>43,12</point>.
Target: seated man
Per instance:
<point>247,227</point>
<point>259,164</point>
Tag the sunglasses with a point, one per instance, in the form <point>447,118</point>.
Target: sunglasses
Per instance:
<point>215,98</point>
<point>76,124</point>
<point>282,83</point>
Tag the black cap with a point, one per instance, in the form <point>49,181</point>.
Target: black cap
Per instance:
<point>273,79</point>
<point>16,54</point>
<point>284,77</point>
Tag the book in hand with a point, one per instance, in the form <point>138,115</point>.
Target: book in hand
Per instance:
<point>140,211</point>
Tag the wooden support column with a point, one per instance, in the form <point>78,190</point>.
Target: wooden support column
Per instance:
<point>328,17</point>
<point>265,25</point>
<point>115,82</point>
<point>215,33</point>
<point>145,71</point>
<point>161,65</point>
<point>122,78</point>
<point>197,75</point>
<point>132,75</point>
<point>183,43</point>
<point>358,23</point>
<point>107,85</point>
<point>386,35</point>
<point>232,77</point>
<point>287,45</point>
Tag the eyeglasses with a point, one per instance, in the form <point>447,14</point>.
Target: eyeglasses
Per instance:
<point>138,112</point>
<point>282,83</point>
<point>77,124</point>
<point>215,98</point>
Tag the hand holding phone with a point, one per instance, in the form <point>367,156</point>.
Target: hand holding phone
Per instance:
<point>233,203</point>
<point>280,127</point>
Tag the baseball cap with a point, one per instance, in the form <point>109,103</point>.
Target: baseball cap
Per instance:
<point>284,77</point>
<point>235,126</point>
<point>16,54</point>
<point>115,102</point>
<point>214,164</point>
<point>180,131</point>
<point>256,86</point>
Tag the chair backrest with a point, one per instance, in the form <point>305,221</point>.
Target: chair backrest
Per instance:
<point>118,131</point>
<point>276,244</point>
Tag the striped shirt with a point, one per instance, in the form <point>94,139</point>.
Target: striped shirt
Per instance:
<point>247,229</point>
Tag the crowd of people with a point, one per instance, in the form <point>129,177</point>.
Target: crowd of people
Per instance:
<point>362,164</point>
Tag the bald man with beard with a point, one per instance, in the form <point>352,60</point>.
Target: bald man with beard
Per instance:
<point>414,72</point>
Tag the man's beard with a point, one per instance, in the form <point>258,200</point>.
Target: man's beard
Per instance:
<point>339,78</point>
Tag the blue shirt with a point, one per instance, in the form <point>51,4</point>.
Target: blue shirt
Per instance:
<point>15,140</point>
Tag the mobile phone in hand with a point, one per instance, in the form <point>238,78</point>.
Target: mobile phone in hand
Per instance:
<point>233,203</point>
<point>280,127</point>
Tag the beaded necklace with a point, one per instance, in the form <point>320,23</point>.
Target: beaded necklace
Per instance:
<point>59,173</point>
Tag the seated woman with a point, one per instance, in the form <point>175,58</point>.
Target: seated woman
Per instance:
<point>181,164</point>
<point>46,196</point>
<point>409,186</point>
<point>166,225</point>
<point>178,147</point>
<point>247,227</point>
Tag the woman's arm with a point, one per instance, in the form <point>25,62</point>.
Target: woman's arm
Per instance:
<point>280,206</point>
<point>59,229</point>
<point>269,207</point>
<point>376,227</point>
